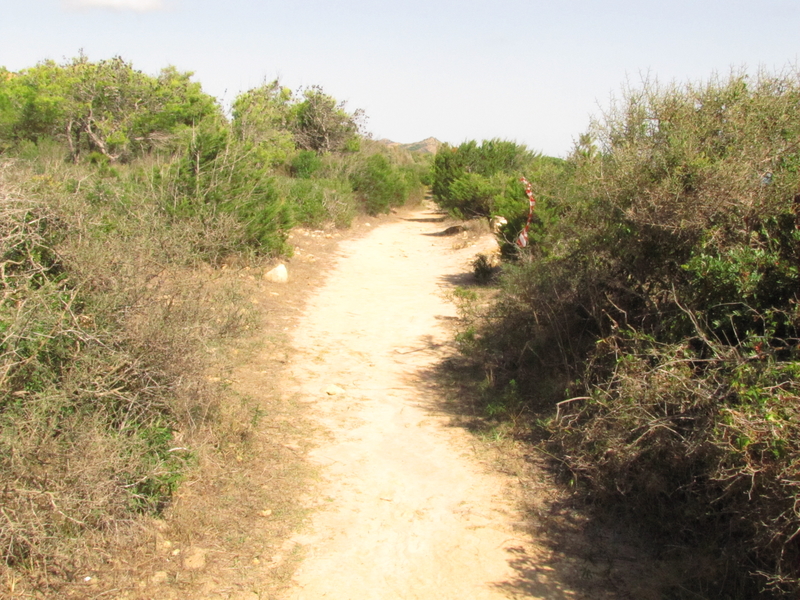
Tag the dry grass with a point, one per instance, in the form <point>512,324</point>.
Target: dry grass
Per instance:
<point>110,329</point>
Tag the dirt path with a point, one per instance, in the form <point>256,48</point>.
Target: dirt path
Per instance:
<point>406,505</point>
<point>405,508</point>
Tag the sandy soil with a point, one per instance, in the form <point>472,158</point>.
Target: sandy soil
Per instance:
<point>405,507</point>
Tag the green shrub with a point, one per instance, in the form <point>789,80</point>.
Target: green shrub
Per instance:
<point>305,164</point>
<point>379,185</point>
<point>321,124</point>
<point>484,180</point>
<point>317,202</point>
<point>472,194</point>
<point>261,120</point>
<point>106,107</point>
<point>466,179</point>
<point>219,176</point>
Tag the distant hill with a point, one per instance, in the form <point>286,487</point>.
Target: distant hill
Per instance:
<point>426,146</point>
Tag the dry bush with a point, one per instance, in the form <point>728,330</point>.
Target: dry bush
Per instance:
<point>702,449</point>
<point>666,292</point>
<point>106,336</point>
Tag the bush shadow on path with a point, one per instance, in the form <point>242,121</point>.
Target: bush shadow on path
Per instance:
<point>576,551</point>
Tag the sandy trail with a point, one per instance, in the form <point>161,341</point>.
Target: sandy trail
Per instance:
<point>406,510</point>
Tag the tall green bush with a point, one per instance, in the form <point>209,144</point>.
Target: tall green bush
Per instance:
<point>218,175</point>
<point>461,175</point>
<point>106,106</point>
<point>379,184</point>
<point>262,118</point>
<point>483,180</point>
<point>318,202</point>
<point>322,124</point>
<point>305,164</point>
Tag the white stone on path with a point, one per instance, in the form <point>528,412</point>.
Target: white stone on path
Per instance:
<point>277,275</point>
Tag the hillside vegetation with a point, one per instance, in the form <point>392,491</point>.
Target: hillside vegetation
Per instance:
<point>647,335</point>
<point>119,193</point>
<point>650,331</point>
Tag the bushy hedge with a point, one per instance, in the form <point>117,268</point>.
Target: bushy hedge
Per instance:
<point>216,175</point>
<point>103,356</point>
<point>378,185</point>
<point>483,180</point>
<point>381,185</point>
<point>662,293</point>
<point>467,178</point>
<point>105,106</point>
<point>318,202</point>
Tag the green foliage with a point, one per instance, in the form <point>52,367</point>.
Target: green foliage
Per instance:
<point>483,180</point>
<point>305,164</point>
<point>8,114</point>
<point>266,217</point>
<point>261,117</point>
<point>278,122</point>
<point>111,113</point>
<point>218,175</point>
<point>472,194</point>
<point>151,494</point>
<point>106,107</point>
<point>379,184</point>
<point>321,124</point>
<point>474,165</point>
<point>318,202</point>
<point>489,158</point>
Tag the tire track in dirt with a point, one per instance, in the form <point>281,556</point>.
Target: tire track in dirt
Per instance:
<point>404,508</point>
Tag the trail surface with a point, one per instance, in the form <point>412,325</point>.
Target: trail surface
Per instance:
<point>405,508</point>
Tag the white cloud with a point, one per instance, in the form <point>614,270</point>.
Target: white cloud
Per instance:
<point>134,5</point>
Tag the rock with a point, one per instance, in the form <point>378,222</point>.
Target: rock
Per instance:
<point>277,275</point>
<point>454,230</point>
<point>497,223</point>
<point>334,390</point>
<point>195,559</point>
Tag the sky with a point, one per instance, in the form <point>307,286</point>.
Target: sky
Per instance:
<point>533,72</point>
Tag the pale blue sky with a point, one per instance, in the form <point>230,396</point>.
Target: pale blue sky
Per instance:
<point>531,71</point>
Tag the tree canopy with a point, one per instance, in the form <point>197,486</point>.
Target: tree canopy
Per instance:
<point>106,106</point>
<point>321,124</point>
